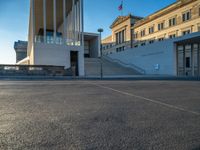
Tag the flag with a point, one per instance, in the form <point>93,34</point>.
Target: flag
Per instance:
<point>120,7</point>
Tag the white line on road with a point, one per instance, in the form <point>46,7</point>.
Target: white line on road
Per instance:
<point>150,100</point>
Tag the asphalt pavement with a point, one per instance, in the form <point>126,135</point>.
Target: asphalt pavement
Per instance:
<point>99,115</point>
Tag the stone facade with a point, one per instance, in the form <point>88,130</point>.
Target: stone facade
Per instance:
<point>177,19</point>
<point>121,33</point>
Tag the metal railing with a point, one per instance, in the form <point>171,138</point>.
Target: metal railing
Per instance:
<point>57,40</point>
<point>133,66</point>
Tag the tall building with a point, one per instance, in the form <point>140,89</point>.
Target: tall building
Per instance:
<point>21,50</point>
<point>56,34</point>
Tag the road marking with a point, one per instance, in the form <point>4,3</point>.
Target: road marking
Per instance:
<point>148,99</point>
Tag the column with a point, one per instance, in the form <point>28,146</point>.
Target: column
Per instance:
<point>73,22</point>
<point>177,58</point>
<point>184,65</point>
<point>192,57</point>
<point>82,24</point>
<point>44,20</point>
<point>64,22</point>
<point>198,58</point>
<point>33,20</point>
<point>79,23</point>
<point>54,19</point>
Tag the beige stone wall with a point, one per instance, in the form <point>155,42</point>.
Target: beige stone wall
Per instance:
<point>107,40</point>
<point>191,25</point>
<point>126,25</point>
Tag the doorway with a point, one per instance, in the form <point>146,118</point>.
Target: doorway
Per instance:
<point>74,62</point>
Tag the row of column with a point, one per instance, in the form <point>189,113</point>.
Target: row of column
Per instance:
<point>194,56</point>
<point>72,22</point>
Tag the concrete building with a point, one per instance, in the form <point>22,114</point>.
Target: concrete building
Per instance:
<point>21,50</point>
<point>91,45</point>
<point>56,34</point>
<point>91,48</point>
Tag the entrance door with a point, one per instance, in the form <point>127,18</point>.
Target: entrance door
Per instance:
<point>74,62</point>
<point>188,61</point>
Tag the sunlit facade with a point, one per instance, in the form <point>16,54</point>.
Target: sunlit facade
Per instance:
<point>56,34</point>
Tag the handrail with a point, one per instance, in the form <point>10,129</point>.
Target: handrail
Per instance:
<point>114,45</point>
<point>140,70</point>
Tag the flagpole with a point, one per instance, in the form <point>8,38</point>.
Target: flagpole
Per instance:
<point>122,7</point>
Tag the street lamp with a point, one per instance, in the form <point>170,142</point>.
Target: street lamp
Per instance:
<point>100,30</point>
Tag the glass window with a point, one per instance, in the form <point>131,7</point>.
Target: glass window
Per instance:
<point>186,16</point>
<point>172,36</point>
<point>186,32</point>
<point>161,26</point>
<point>172,22</point>
<point>151,41</point>
<point>143,33</point>
<point>151,30</point>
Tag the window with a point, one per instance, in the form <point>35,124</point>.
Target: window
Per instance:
<point>151,41</point>
<point>117,38</point>
<point>187,62</point>
<point>172,22</point>
<point>186,32</point>
<point>161,39</point>
<point>199,11</point>
<point>151,30</point>
<point>143,44</point>
<point>136,35</point>
<point>161,26</point>
<point>186,16</point>
<point>143,33</point>
<point>120,37</point>
<point>172,36</point>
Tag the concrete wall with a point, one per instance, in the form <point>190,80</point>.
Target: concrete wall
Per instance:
<point>94,47</point>
<point>158,58</point>
<point>149,57</point>
<point>57,55</point>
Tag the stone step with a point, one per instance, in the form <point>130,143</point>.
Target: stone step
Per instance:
<point>93,68</point>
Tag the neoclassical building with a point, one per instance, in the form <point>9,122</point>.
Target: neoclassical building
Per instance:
<point>175,20</point>
<point>121,34</point>
<point>166,42</point>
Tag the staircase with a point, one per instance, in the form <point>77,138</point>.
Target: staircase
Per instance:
<point>93,68</point>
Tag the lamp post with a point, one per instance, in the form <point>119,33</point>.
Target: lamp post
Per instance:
<point>100,30</point>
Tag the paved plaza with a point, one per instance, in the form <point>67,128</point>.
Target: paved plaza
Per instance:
<point>100,115</point>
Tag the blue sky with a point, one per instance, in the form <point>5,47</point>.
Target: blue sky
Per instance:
<point>97,13</point>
